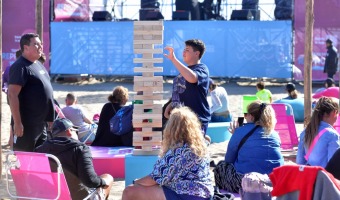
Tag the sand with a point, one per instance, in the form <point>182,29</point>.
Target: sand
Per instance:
<point>92,95</point>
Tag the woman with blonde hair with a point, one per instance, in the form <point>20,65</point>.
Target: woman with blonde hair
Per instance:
<point>117,100</point>
<point>254,147</point>
<point>182,171</point>
<point>319,141</point>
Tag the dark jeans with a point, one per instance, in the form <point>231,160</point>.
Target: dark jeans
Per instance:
<point>34,136</point>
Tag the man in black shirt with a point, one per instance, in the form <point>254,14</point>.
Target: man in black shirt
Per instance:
<point>30,95</point>
<point>76,160</point>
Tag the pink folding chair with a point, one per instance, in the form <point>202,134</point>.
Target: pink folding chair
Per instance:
<point>285,125</point>
<point>33,179</point>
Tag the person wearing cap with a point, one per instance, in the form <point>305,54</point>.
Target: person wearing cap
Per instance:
<point>292,92</point>
<point>331,62</point>
<point>76,160</point>
<point>219,108</point>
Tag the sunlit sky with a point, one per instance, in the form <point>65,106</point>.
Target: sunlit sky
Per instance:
<point>130,8</point>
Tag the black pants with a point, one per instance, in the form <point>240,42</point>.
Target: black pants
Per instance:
<point>34,136</point>
<point>330,74</point>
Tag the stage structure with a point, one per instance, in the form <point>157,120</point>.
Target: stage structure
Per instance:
<point>147,113</point>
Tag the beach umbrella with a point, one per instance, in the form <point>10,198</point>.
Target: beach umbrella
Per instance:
<point>309,21</point>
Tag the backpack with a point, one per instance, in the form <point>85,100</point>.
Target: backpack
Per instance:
<point>121,122</point>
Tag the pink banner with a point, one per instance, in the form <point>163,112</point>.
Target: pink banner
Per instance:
<point>71,10</point>
<point>19,18</point>
<point>326,26</point>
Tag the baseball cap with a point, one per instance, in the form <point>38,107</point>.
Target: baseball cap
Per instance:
<point>62,124</point>
<point>329,41</point>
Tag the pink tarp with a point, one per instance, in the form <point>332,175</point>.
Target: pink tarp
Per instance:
<point>326,26</point>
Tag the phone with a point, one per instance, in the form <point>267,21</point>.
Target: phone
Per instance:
<point>240,121</point>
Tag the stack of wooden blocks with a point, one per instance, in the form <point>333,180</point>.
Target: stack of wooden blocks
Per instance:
<point>148,115</point>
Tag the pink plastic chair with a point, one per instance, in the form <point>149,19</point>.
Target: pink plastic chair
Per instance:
<point>33,179</point>
<point>285,125</point>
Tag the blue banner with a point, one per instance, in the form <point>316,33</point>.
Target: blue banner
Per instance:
<point>233,48</point>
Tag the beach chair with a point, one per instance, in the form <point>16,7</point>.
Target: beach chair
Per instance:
<point>246,101</point>
<point>285,125</point>
<point>33,178</point>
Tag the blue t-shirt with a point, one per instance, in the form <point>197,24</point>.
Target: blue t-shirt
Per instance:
<point>260,153</point>
<point>193,95</point>
<point>323,150</point>
<point>184,172</point>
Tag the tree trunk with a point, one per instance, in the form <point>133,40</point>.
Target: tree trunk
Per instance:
<point>39,18</point>
<point>308,59</point>
<point>1,86</point>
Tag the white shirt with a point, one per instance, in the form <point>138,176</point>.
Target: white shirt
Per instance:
<point>219,100</point>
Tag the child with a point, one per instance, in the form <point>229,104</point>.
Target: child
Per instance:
<point>191,86</point>
<point>263,94</point>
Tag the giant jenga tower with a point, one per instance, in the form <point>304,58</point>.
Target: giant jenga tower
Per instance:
<point>147,116</point>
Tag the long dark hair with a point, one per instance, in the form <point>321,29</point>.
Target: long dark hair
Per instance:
<point>325,105</point>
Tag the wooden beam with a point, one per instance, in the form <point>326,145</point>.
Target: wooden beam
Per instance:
<point>308,59</point>
<point>142,69</point>
<point>39,18</point>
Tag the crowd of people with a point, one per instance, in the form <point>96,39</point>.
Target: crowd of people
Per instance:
<point>183,168</point>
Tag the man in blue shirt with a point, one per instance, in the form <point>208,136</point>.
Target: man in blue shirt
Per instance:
<point>190,87</point>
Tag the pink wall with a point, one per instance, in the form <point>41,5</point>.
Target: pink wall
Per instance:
<point>326,26</point>
<point>19,18</point>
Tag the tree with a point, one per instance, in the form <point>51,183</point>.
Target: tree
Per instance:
<point>308,58</point>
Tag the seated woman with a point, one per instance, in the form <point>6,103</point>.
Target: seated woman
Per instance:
<point>219,99</point>
<point>254,147</point>
<point>104,137</point>
<point>319,140</point>
<point>291,90</point>
<point>329,82</point>
<point>182,171</point>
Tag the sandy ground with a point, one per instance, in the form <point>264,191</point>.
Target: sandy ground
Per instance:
<point>93,95</point>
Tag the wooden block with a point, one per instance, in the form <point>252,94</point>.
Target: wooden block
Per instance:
<point>138,37</point>
<point>147,134</point>
<point>157,37</point>
<point>138,27</point>
<point>158,27</point>
<point>148,93</point>
<point>138,124</point>
<point>143,138</point>
<point>143,106</point>
<point>142,51</point>
<point>147,41</point>
<point>137,46</point>
<point>148,46</point>
<point>141,78</point>
<point>148,56</point>
<point>144,88</point>
<point>147,23</point>
<point>153,111</point>
<point>148,65</point>
<point>143,69</point>
<point>147,129</point>
<point>147,143</point>
<point>147,32</point>
<point>148,74</point>
<point>148,60</point>
<point>153,83</point>
<point>147,116</point>
<point>153,97</point>
<point>142,152</point>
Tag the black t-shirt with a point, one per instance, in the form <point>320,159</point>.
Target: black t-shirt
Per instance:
<point>36,95</point>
